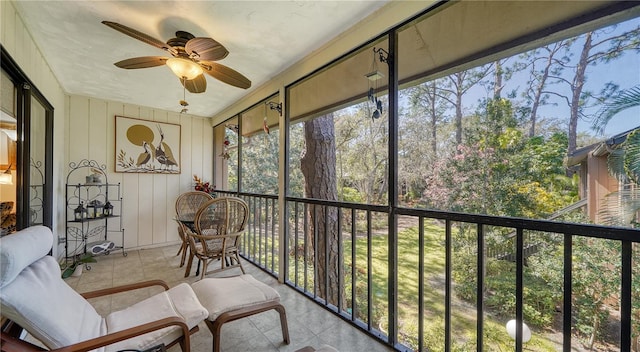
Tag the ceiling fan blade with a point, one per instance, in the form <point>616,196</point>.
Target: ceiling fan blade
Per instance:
<point>142,62</point>
<point>137,35</point>
<point>206,49</point>
<point>196,85</point>
<point>226,74</point>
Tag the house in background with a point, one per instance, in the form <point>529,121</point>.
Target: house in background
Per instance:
<point>596,182</point>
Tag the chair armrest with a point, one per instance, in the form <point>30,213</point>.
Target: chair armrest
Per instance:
<point>217,237</point>
<point>121,335</point>
<point>124,288</point>
<point>234,234</point>
<point>12,344</point>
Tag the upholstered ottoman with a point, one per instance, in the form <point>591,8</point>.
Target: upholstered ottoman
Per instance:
<point>232,298</point>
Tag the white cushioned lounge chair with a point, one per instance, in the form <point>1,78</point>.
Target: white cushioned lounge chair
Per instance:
<point>34,296</point>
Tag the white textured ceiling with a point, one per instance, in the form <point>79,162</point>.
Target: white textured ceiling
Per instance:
<point>263,39</point>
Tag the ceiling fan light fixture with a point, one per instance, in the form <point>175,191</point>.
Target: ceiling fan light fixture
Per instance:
<point>184,68</point>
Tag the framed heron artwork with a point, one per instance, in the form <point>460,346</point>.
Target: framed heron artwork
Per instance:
<point>144,146</point>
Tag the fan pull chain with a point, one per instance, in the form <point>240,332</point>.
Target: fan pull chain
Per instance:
<point>183,102</point>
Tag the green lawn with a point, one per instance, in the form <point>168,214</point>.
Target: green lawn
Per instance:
<point>463,314</point>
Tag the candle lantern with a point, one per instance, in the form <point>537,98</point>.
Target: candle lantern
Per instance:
<point>95,208</point>
<point>80,212</point>
<point>107,210</point>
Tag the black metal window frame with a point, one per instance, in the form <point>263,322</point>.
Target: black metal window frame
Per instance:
<point>626,236</point>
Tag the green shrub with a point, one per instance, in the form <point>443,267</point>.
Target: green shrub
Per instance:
<point>351,195</point>
<point>539,299</point>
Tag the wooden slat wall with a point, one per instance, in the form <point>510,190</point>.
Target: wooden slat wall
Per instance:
<point>149,200</point>
<point>84,128</point>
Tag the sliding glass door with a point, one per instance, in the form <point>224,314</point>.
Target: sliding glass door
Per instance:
<point>26,154</point>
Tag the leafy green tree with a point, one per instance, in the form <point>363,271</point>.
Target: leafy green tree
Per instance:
<point>544,182</point>
<point>422,130</point>
<point>625,99</point>
<point>456,87</point>
<point>542,63</point>
<point>595,279</point>
<point>622,207</point>
<point>260,163</point>
<point>429,107</point>
<point>296,148</point>
<point>624,162</point>
<point>597,47</point>
<point>481,177</point>
<point>361,145</point>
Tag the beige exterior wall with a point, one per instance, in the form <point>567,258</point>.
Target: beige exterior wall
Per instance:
<point>600,183</point>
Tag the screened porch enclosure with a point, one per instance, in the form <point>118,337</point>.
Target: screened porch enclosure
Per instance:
<point>436,309</point>
<point>416,186</point>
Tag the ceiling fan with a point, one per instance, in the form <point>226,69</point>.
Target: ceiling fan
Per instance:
<point>191,58</point>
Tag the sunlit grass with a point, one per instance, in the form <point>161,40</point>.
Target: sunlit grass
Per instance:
<point>463,314</point>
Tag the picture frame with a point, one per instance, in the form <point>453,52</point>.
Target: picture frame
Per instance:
<point>143,146</point>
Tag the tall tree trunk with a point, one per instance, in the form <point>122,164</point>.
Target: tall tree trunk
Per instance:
<point>497,88</point>
<point>459,82</point>
<point>433,96</point>
<point>576,92</point>
<point>539,88</point>
<point>318,166</point>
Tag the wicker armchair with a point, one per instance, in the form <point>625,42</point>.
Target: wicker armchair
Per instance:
<point>219,225</point>
<point>187,206</point>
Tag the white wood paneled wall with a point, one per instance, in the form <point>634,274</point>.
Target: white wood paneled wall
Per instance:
<point>84,128</point>
<point>149,199</point>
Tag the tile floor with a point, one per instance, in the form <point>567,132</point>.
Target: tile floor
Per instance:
<point>309,324</point>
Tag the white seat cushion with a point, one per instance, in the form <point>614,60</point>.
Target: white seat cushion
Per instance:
<point>220,295</point>
<point>178,301</point>
<point>41,302</point>
<point>19,250</point>
<point>33,294</point>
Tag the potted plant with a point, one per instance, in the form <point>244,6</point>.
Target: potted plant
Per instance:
<point>75,268</point>
<point>203,186</point>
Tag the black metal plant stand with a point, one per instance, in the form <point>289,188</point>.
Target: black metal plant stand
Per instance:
<point>92,213</point>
